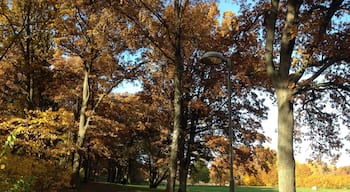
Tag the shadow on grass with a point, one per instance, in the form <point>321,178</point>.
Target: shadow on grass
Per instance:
<point>108,187</point>
<point>257,189</point>
<point>111,187</point>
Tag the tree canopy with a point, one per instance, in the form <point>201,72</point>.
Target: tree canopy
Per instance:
<point>61,62</point>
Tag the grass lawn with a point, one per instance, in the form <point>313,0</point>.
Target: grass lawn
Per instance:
<point>225,189</point>
<point>202,188</point>
<point>254,189</point>
<point>322,190</point>
<point>105,187</point>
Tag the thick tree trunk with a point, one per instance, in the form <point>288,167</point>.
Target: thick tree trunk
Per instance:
<point>285,155</point>
<point>280,78</point>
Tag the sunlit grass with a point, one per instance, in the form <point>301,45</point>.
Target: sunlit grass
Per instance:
<point>208,188</point>
<point>322,190</point>
<point>202,188</point>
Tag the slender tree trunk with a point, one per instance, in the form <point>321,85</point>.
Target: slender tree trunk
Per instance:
<point>83,124</point>
<point>87,170</point>
<point>183,144</point>
<point>183,171</point>
<point>177,99</point>
<point>182,162</point>
<point>28,61</point>
<point>186,160</point>
<point>285,155</point>
<point>176,132</point>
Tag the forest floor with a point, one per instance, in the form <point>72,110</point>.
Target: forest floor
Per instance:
<point>98,187</point>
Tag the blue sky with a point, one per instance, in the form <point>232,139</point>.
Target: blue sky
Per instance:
<point>228,5</point>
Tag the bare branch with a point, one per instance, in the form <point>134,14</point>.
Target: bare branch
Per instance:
<point>326,63</point>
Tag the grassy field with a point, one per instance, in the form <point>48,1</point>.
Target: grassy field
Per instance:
<point>107,187</point>
<point>255,189</point>
<point>322,190</point>
<point>201,188</point>
<point>225,189</point>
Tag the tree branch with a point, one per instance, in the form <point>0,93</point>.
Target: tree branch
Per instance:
<point>160,19</point>
<point>270,23</point>
<point>289,36</point>
<point>145,32</point>
<point>324,86</point>
<point>335,5</point>
<point>326,63</point>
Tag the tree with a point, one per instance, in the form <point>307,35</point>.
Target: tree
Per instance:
<point>199,172</point>
<point>204,85</point>
<point>93,34</point>
<point>261,169</point>
<point>166,36</point>
<point>42,145</point>
<point>145,134</point>
<point>26,26</point>
<point>304,55</point>
<point>203,88</point>
<point>179,7</point>
<point>302,172</point>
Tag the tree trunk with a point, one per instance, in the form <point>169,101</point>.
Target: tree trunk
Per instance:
<point>176,132</point>
<point>280,78</point>
<point>28,62</point>
<point>182,163</point>
<point>186,160</point>
<point>285,155</point>
<point>83,124</point>
<point>177,100</point>
<point>87,170</point>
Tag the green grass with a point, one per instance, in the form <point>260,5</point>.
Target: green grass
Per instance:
<point>254,189</point>
<point>139,188</point>
<point>225,189</point>
<point>203,188</point>
<point>322,190</point>
<point>195,188</point>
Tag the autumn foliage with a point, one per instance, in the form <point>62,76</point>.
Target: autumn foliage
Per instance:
<point>40,150</point>
<point>262,171</point>
<point>62,122</point>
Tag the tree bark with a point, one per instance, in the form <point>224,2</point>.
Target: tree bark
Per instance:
<point>28,61</point>
<point>176,132</point>
<point>177,100</point>
<point>182,162</point>
<point>185,161</point>
<point>285,155</point>
<point>280,78</point>
<point>83,124</point>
